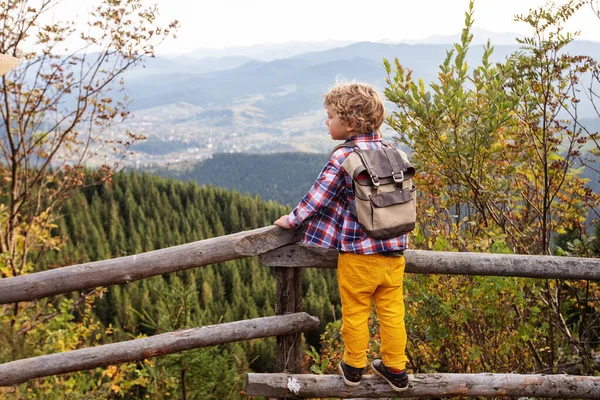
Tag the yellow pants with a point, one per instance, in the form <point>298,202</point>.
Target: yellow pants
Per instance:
<point>361,278</point>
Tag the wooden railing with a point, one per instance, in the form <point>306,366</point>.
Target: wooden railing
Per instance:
<point>276,248</point>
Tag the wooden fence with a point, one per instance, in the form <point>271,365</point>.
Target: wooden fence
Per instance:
<point>276,248</point>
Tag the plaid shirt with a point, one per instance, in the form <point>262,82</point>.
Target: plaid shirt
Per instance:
<point>325,207</point>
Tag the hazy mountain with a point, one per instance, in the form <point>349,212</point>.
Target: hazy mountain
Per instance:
<point>309,72</point>
<point>268,106</point>
<point>480,36</point>
<point>268,51</point>
<point>208,60</point>
<point>415,56</point>
<point>184,65</point>
<point>219,87</point>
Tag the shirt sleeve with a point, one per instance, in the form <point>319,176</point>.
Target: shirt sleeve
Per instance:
<point>328,186</point>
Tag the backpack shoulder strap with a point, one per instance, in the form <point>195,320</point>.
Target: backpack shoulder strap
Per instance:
<point>401,168</point>
<point>369,166</point>
<point>350,144</point>
<point>398,166</point>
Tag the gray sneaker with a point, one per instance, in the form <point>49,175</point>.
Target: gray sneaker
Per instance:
<point>351,375</point>
<point>398,382</point>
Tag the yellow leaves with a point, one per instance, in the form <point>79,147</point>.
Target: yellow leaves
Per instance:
<point>113,373</point>
<point>456,318</point>
<point>421,87</point>
<point>70,384</point>
<point>5,270</point>
<point>110,371</point>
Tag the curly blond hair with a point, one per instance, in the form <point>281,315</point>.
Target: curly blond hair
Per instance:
<point>357,103</point>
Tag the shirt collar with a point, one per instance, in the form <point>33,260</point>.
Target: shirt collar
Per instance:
<point>366,137</point>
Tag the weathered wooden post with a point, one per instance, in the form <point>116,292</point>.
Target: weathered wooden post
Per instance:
<point>288,262</point>
<point>289,300</point>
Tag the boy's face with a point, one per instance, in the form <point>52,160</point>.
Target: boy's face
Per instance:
<point>338,129</point>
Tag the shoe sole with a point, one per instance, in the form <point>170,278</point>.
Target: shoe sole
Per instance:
<point>396,388</point>
<point>346,381</point>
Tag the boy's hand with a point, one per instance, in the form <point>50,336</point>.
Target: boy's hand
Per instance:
<point>282,222</point>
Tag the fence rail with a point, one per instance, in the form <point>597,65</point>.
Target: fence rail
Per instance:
<point>427,385</point>
<point>273,246</point>
<point>451,263</point>
<point>140,266</point>
<point>20,371</point>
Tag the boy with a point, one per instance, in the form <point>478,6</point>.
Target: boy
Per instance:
<point>367,267</point>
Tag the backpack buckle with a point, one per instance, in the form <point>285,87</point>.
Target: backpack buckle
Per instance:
<point>373,176</point>
<point>398,180</point>
<point>375,180</point>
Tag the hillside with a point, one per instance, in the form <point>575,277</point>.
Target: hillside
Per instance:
<point>138,213</point>
<point>281,177</point>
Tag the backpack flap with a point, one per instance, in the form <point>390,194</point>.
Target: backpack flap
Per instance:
<point>392,169</point>
<point>389,168</point>
<point>361,177</point>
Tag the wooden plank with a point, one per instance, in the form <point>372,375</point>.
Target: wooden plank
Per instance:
<point>526,266</point>
<point>131,268</point>
<point>452,263</point>
<point>289,300</point>
<point>295,255</point>
<point>426,385</point>
<point>19,371</point>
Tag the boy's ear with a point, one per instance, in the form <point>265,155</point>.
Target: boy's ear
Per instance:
<point>351,124</point>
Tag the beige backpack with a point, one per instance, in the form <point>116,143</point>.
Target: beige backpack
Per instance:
<point>385,197</point>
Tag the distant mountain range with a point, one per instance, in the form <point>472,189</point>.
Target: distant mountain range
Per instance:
<point>267,51</point>
<point>247,99</point>
<point>480,36</point>
<point>272,51</point>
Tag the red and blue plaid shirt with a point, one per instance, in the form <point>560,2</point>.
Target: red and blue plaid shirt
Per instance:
<point>326,210</point>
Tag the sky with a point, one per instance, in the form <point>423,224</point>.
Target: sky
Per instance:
<point>231,23</point>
